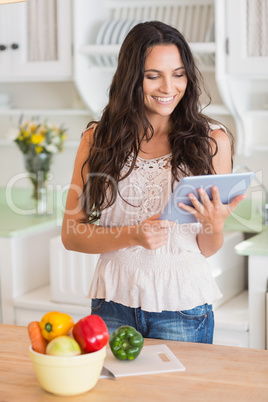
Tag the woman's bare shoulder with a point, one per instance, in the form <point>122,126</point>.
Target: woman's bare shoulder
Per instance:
<point>87,136</point>
<point>222,139</point>
<point>85,145</point>
<point>220,135</point>
<point>222,161</point>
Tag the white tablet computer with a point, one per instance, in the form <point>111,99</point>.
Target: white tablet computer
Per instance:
<point>229,185</point>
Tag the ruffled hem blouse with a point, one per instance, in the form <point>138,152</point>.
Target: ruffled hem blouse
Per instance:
<point>173,277</point>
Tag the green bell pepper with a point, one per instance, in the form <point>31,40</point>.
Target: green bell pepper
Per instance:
<point>126,343</point>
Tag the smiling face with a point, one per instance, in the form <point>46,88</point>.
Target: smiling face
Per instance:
<point>164,81</point>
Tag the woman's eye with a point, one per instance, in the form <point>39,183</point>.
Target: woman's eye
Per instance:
<point>152,77</point>
<point>178,75</point>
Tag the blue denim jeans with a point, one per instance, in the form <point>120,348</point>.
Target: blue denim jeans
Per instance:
<point>195,325</point>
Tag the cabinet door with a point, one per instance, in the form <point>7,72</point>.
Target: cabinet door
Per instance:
<point>10,36</point>
<point>247,35</point>
<point>38,41</point>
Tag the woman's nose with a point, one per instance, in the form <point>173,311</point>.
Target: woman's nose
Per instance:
<point>166,85</point>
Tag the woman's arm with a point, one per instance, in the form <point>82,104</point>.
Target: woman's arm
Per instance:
<point>212,213</point>
<point>210,238</point>
<point>95,239</point>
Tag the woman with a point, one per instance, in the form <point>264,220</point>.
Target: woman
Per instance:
<point>152,274</point>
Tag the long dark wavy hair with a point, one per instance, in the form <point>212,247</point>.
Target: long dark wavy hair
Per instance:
<point>124,125</point>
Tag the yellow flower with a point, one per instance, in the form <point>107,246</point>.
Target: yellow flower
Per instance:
<point>32,126</point>
<point>37,138</point>
<point>39,149</point>
<point>24,134</point>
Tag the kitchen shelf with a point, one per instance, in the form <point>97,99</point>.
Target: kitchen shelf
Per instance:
<point>96,50</point>
<point>44,112</point>
<point>204,52</point>
<point>11,143</point>
<point>211,110</point>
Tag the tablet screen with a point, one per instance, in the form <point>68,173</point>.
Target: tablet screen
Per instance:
<point>229,185</point>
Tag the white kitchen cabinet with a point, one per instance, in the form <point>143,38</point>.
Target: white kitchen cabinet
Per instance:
<point>228,268</point>
<point>231,311</point>
<point>24,247</point>
<point>247,37</point>
<point>95,59</point>
<point>258,279</point>
<point>21,269</point>
<point>36,41</point>
<point>232,322</point>
<point>242,69</point>
<point>33,305</point>
<point>255,248</point>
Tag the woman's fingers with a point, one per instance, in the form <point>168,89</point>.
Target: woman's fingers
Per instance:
<point>212,211</point>
<point>153,233</point>
<point>198,207</point>
<point>216,195</point>
<point>235,202</point>
<point>203,209</point>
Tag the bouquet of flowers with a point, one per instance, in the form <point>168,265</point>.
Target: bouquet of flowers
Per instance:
<point>39,142</point>
<point>40,138</point>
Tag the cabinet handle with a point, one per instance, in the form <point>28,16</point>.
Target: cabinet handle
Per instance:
<point>2,48</point>
<point>14,46</point>
<point>227,46</point>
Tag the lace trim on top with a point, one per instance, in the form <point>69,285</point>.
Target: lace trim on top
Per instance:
<point>161,162</point>
<point>144,192</point>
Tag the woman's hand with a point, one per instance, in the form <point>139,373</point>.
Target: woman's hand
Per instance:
<point>211,213</point>
<point>153,233</point>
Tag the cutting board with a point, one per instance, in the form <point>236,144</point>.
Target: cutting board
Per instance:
<point>152,359</point>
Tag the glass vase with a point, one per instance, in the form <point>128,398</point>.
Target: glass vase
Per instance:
<point>40,196</point>
<point>38,166</point>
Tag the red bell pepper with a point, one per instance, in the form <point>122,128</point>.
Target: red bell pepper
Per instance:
<point>91,333</point>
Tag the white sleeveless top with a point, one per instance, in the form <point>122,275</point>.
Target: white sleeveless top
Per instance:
<point>173,277</point>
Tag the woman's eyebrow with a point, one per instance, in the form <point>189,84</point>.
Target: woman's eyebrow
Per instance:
<point>158,71</point>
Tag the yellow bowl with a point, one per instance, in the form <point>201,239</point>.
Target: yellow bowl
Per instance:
<point>63,375</point>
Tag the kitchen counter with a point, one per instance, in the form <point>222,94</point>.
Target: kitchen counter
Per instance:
<point>17,216</point>
<point>212,373</point>
<point>17,219</point>
<point>256,245</point>
<point>246,217</point>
